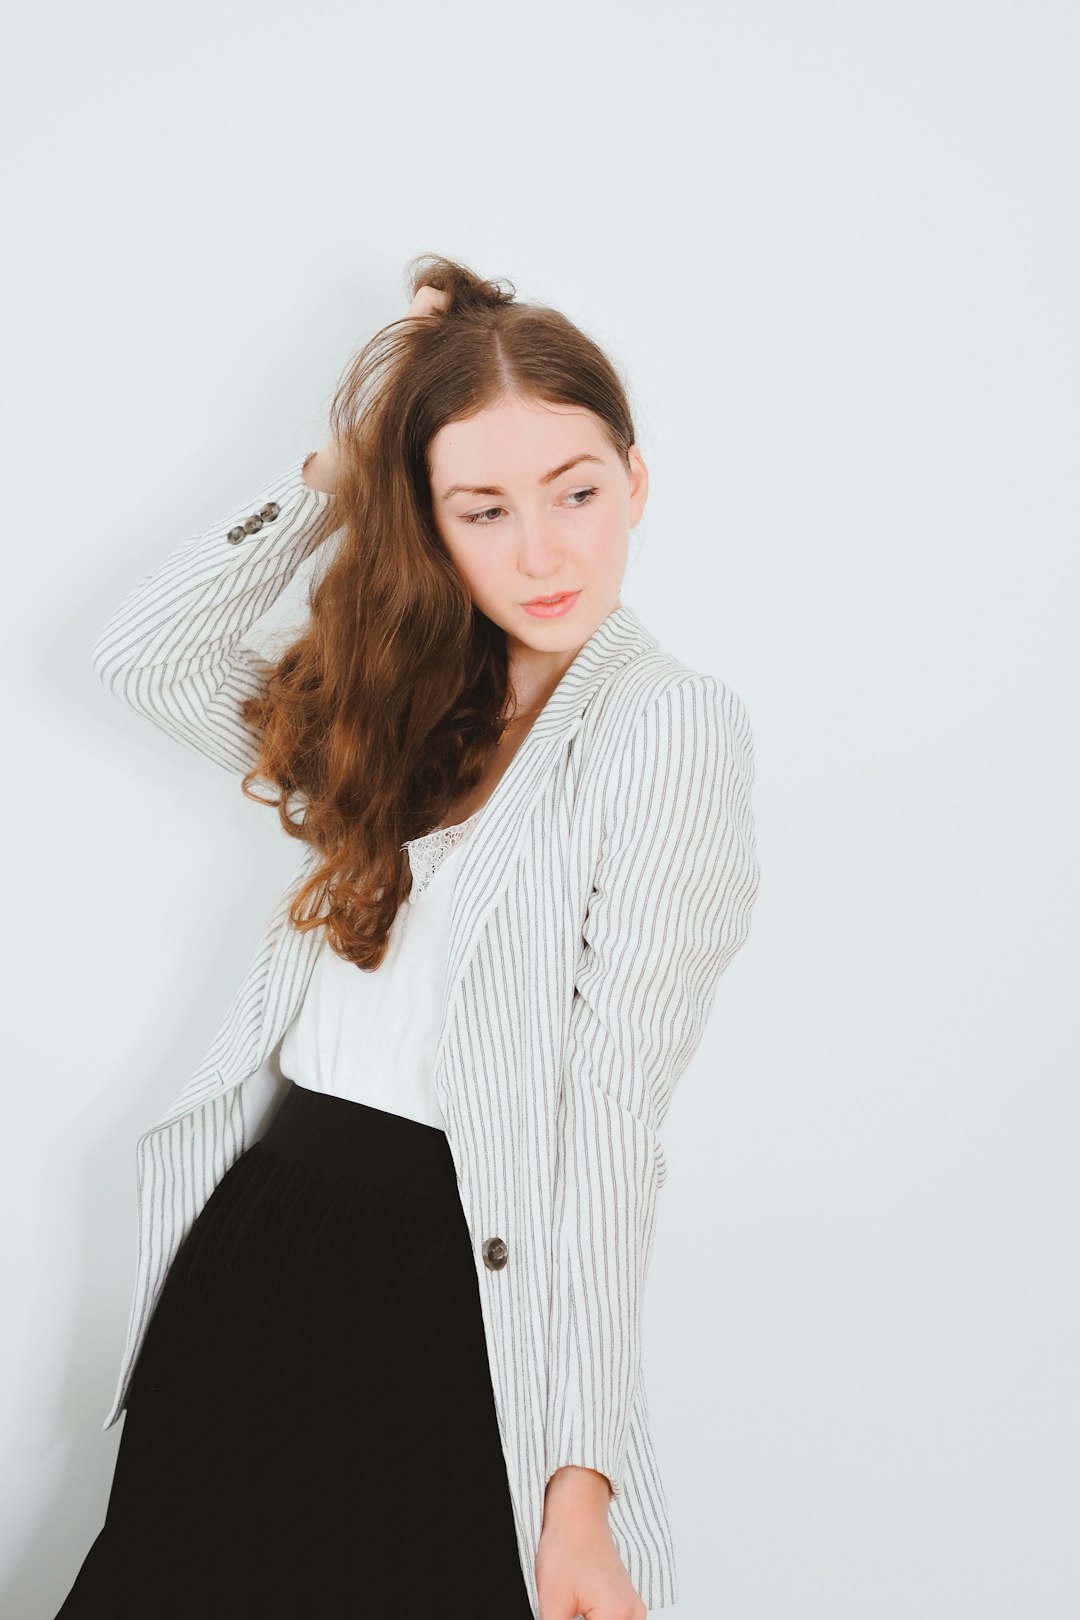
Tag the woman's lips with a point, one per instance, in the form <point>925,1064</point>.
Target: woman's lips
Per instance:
<point>549,610</point>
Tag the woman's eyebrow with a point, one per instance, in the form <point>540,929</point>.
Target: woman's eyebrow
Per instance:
<point>493,489</point>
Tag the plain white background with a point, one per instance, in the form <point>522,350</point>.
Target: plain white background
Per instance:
<point>834,250</point>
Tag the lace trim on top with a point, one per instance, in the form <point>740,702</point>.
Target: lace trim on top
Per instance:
<point>427,853</point>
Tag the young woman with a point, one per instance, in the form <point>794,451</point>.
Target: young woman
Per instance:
<point>384,1353</point>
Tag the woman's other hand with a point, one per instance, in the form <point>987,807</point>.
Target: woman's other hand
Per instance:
<point>578,1568</point>
<point>323,469</point>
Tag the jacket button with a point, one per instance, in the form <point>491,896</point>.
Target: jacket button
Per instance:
<point>269,511</point>
<point>253,524</point>
<point>495,1252</point>
<point>236,535</point>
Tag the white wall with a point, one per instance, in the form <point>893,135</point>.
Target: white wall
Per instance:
<point>835,249</point>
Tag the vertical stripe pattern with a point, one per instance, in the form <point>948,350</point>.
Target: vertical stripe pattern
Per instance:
<point>608,884</point>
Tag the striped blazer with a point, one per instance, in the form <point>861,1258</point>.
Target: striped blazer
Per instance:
<point>604,891</point>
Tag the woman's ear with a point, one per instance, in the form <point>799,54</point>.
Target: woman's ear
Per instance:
<point>639,484</point>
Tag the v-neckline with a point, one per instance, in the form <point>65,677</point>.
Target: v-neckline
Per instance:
<point>422,838</point>
<point>423,871</point>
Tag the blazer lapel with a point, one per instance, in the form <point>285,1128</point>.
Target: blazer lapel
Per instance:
<point>491,851</point>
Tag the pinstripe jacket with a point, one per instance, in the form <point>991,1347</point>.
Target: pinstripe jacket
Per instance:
<point>605,889</point>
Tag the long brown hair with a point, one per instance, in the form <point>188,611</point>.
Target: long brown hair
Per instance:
<point>385,711</point>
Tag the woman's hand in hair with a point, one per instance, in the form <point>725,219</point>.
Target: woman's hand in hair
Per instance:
<point>322,470</point>
<point>427,301</point>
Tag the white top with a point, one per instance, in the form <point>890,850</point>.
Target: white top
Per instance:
<point>370,1034</point>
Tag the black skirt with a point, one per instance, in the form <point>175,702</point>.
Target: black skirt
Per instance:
<point>310,1427</point>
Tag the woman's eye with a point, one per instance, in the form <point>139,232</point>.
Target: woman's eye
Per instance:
<point>476,517</point>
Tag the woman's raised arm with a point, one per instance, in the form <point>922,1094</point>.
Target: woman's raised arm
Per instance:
<point>172,650</point>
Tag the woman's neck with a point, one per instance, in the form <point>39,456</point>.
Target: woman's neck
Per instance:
<point>532,677</point>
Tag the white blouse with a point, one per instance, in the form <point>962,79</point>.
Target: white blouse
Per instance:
<point>371,1035</point>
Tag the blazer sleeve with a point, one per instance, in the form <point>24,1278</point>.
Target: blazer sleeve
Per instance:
<point>172,650</point>
<point>676,879</point>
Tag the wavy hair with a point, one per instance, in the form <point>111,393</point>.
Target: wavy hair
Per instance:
<point>386,709</point>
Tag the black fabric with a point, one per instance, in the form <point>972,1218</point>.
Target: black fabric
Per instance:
<point>310,1428</point>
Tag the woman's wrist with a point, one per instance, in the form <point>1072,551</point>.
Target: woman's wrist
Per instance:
<point>320,470</point>
<point>573,1492</point>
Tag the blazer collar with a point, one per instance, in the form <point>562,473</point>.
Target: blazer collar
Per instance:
<point>618,638</point>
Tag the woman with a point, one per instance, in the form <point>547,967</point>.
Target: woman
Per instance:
<point>384,1350</point>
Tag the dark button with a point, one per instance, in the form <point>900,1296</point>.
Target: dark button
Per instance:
<point>495,1252</point>
<point>252,525</point>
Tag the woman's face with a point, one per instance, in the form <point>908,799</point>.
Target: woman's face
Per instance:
<point>525,524</point>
